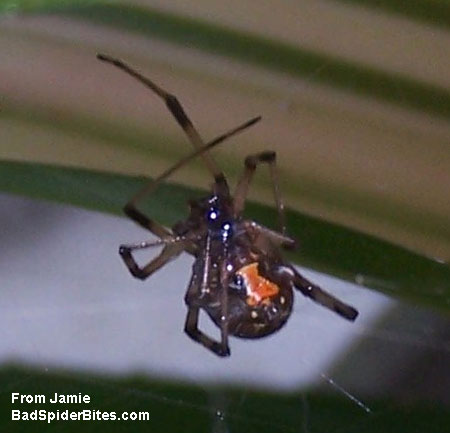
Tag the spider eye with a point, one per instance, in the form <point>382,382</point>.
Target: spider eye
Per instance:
<point>213,214</point>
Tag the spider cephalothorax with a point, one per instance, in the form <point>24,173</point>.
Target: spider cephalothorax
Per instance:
<point>239,276</point>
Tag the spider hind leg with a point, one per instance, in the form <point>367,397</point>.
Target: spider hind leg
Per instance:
<point>191,328</point>
<point>323,298</point>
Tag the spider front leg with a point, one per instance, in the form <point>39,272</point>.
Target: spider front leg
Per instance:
<point>157,229</point>
<point>174,107</point>
<point>240,195</point>
<point>323,298</point>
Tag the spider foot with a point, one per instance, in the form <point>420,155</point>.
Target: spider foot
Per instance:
<point>220,350</point>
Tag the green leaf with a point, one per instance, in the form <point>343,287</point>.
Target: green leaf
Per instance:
<point>175,407</point>
<point>325,246</point>
<point>11,6</point>
<point>435,12</point>
<point>270,54</point>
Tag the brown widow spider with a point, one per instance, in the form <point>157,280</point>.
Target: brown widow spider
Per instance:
<point>239,277</point>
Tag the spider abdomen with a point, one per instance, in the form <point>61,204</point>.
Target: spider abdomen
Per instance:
<point>257,305</point>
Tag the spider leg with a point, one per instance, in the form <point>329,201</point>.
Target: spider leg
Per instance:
<point>183,120</point>
<point>275,237</point>
<point>240,195</point>
<point>157,229</point>
<point>191,329</point>
<point>323,298</point>
<point>200,283</point>
<point>224,280</point>
<point>150,187</point>
<point>140,218</point>
<point>171,250</point>
<point>174,107</point>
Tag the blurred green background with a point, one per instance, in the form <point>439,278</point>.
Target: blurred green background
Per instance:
<point>355,100</point>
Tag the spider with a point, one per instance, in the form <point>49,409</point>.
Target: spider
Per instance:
<point>239,276</point>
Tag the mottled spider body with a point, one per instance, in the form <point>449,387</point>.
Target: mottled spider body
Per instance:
<point>239,276</point>
<point>230,251</point>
